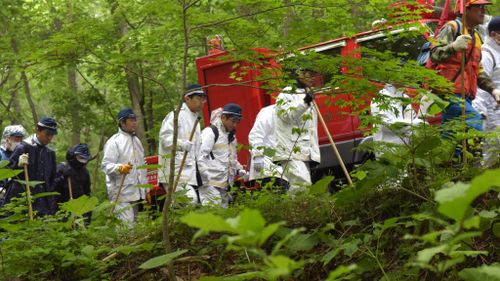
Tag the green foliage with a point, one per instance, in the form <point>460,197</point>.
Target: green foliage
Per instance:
<point>455,200</point>
<point>80,205</point>
<point>161,260</point>
<point>482,273</point>
<point>413,214</point>
<point>249,227</point>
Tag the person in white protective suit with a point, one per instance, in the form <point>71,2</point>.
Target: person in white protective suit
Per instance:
<point>297,130</point>
<point>194,97</point>
<point>261,138</point>
<point>12,136</point>
<point>123,155</point>
<point>484,102</point>
<point>217,158</point>
<point>393,110</point>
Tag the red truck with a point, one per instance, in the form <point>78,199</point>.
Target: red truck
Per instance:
<point>216,74</point>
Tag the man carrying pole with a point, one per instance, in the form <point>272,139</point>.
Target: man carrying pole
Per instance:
<point>123,154</point>
<point>459,48</point>
<point>296,133</point>
<point>188,142</point>
<point>39,163</point>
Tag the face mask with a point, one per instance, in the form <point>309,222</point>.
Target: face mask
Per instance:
<point>77,165</point>
<point>496,38</point>
<point>13,145</point>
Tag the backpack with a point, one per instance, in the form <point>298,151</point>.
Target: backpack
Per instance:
<point>215,130</point>
<point>425,50</point>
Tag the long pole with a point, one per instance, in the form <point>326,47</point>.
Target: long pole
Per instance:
<point>119,192</point>
<point>462,72</point>
<point>70,189</point>
<point>184,157</point>
<point>332,143</point>
<point>28,192</point>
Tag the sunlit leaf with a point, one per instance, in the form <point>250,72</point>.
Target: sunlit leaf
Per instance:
<point>80,205</point>
<point>161,260</point>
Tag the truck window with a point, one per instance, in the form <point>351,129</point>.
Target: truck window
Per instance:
<point>405,45</point>
<point>331,50</point>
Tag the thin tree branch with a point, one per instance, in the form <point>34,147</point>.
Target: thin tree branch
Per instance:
<point>128,69</point>
<point>214,23</point>
<point>110,112</point>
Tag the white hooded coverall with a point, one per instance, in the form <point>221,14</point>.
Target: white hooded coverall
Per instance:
<point>296,138</point>
<point>396,112</point>
<point>217,173</point>
<point>123,148</point>
<point>485,103</point>
<point>186,121</point>
<point>262,136</point>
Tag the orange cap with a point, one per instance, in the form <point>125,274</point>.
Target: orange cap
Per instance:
<point>468,3</point>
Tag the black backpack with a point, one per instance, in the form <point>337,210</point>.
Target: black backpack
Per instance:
<point>215,130</point>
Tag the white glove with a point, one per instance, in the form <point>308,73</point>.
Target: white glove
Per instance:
<point>244,174</point>
<point>186,146</point>
<point>23,160</point>
<point>258,163</point>
<point>496,95</point>
<point>461,42</point>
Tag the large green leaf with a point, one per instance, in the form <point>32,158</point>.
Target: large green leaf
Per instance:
<point>454,201</point>
<point>8,173</point>
<point>321,186</point>
<point>248,221</point>
<point>44,194</point>
<point>482,273</point>
<point>161,260</point>
<point>425,255</point>
<point>339,271</point>
<point>31,183</point>
<point>303,242</point>
<point>80,205</point>
<point>206,222</point>
<point>280,266</point>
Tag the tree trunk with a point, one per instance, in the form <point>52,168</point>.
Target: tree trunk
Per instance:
<point>136,99</point>
<point>168,198</point>
<point>134,88</point>
<point>287,19</point>
<point>26,85</point>
<point>14,104</point>
<point>148,106</point>
<point>74,109</point>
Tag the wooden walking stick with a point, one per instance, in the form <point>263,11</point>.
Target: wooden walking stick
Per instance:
<point>122,181</point>
<point>28,192</point>
<point>462,73</point>
<point>183,161</point>
<point>332,143</point>
<point>70,189</point>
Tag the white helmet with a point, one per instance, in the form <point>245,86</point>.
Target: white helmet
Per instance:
<point>13,131</point>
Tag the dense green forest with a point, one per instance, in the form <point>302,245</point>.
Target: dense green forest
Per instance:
<point>412,215</point>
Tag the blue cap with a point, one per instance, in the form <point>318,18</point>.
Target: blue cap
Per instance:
<point>125,113</point>
<point>49,124</point>
<point>194,89</point>
<point>81,151</point>
<point>232,109</point>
